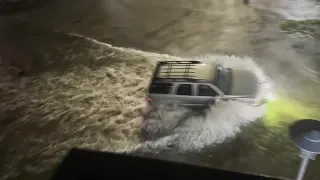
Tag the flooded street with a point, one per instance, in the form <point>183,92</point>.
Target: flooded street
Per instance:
<point>65,88</point>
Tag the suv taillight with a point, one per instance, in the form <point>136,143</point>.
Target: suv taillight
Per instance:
<point>149,100</point>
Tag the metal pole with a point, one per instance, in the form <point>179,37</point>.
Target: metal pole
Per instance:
<point>303,168</point>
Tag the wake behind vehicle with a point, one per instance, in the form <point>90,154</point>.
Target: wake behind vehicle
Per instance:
<point>198,84</point>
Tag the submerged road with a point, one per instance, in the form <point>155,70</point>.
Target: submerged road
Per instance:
<point>181,28</point>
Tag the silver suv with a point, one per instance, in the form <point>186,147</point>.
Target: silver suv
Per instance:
<point>198,84</point>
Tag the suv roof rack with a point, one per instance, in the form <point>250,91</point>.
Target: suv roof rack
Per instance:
<point>180,62</point>
<point>177,76</point>
<point>168,80</point>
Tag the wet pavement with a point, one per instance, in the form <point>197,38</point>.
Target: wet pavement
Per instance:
<point>194,28</point>
<point>191,29</point>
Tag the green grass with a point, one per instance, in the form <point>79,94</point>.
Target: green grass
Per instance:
<point>307,27</point>
<point>286,110</point>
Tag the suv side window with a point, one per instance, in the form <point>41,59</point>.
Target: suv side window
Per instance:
<point>160,88</point>
<point>205,90</point>
<point>184,89</point>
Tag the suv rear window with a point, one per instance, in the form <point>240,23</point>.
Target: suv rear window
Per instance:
<point>160,88</point>
<point>184,89</point>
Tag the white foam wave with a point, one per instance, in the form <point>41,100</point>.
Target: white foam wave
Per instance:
<point>299,9</point>
<point>291,9</point>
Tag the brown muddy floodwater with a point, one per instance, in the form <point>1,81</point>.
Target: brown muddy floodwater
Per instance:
<point>59,90</point>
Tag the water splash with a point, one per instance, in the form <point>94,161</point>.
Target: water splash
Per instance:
<point>194,133</point>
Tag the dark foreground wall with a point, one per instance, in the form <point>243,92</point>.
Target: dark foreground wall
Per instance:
<point>89,165</point>
<point>13,6</point>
